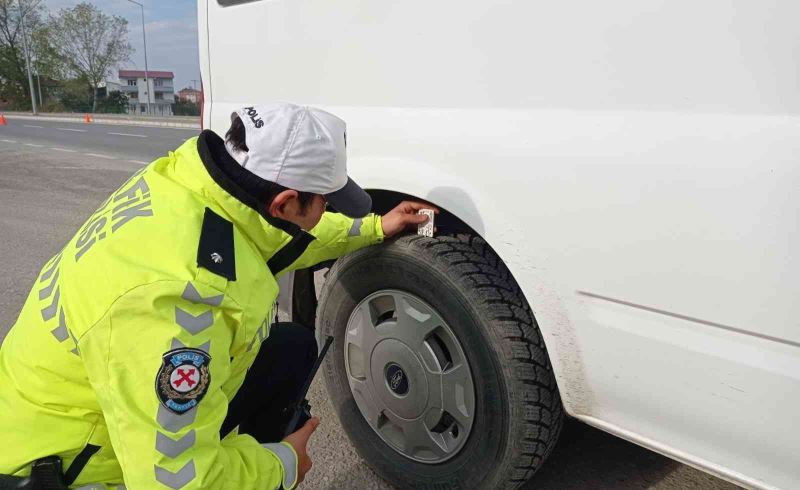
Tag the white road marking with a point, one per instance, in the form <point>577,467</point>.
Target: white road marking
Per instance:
<point>70,129</point>
<point>99,156</point>
<point>129,134</point>
<point>32,126</point>
<point>8,141</point>
<point>31,144</point>
<point>138,161</point>
<point>64,149</point>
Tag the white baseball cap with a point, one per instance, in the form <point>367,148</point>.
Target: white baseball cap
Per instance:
<point>302,148</point>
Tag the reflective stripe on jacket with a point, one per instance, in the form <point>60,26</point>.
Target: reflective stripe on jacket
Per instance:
<point>81,365</point>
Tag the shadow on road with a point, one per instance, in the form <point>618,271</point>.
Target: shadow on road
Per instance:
<point>585,458</point>
<point>589,458</point>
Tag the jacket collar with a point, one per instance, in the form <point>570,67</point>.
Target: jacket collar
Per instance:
<point>234,179</point>
<point>227,184</point>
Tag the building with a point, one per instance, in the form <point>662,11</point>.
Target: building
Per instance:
<point>137,88</point>
<point>190,95</point>
<point>106,87</point>
<point>111,86</point>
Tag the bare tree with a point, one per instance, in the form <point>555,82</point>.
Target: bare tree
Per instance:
<point>90,42</point>
<point>13,75</point>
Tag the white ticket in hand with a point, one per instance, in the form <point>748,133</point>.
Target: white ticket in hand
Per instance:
<point>426,229</point>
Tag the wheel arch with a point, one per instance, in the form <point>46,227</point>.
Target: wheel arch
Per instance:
<point>446,221</point>
<point>460,213</point>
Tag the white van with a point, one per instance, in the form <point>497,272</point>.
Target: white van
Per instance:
<point>620,234</point>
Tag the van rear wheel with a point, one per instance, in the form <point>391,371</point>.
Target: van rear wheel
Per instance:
<point>438,372</point>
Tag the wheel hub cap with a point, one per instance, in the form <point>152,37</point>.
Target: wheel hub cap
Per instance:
<point>409,376</point>
<point>398,367</point>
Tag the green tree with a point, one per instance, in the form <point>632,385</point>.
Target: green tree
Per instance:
<point>47,59</point>
<point>185,108</point>
<point>90,42</point>
<point>13,73</point>
<point>75,96</point>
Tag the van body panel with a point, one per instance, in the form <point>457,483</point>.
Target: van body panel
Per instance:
<point>633,163</point>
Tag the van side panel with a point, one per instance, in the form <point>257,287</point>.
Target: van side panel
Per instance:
<point>633,163</point>
<point>674,55</point>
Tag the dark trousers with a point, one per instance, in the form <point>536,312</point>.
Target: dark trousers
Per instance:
<point>273,382</point>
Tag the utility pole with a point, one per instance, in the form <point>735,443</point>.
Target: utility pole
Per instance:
<point>146,76</point>
<point>193,84</point>
<point>39,83</point>
<point>27,56</point>
<point>38,78</point>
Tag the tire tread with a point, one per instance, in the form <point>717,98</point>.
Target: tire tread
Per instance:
<point>532,381</point>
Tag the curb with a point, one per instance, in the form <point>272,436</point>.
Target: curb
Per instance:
<point>103,120</point>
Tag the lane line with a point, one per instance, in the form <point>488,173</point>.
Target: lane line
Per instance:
<point>138,161</point>
<point>8,141</point>
<point>64,149</point>
<point>32,126</point>
<point>70,129</point>
<point>36,146</point>
<point>129,134</point>
<point>99,156</point>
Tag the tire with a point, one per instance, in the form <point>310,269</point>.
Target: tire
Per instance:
<point>517,408</point>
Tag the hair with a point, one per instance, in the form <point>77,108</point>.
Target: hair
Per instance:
<point>268,190</point>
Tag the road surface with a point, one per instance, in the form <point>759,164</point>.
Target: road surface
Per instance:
<point>53,175</point>
<point>130,144</point>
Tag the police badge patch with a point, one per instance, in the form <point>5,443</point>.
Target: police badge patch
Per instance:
<point>183,379</point>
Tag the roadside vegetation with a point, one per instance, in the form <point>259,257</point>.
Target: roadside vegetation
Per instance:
<point>72,51</point>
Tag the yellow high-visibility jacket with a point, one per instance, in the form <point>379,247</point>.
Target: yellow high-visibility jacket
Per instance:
<point>139,332</point>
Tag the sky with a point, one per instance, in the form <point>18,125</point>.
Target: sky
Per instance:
<point>171,27</point>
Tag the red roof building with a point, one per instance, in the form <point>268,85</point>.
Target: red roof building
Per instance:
<point>190,95</point>
<point>150,73</point>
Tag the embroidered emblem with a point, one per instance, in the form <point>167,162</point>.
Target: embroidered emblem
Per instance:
<point>183,379</point>
<point>217,258</point>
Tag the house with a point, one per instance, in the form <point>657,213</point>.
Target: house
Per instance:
<point>159,88</point>
<point>107,86</point>
<point>190,95</point>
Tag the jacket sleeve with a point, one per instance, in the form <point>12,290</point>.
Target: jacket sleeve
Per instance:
<point>156,342</point>
<point>338,235</point>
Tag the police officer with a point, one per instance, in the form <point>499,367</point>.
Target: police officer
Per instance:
<point>137,358</point>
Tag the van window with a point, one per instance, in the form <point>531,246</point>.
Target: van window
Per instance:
<point>228,3</point>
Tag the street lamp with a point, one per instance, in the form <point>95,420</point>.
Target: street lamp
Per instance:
<point>146,76</point>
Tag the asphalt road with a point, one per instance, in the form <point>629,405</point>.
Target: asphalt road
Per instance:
<point>53,175</point>
<point>132,144</point>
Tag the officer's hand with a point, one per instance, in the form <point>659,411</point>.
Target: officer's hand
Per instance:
<point>299,441</point>
<point>404,217</point>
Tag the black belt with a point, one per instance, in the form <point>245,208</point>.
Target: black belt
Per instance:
<point>46,473</point>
